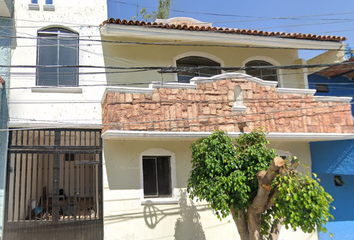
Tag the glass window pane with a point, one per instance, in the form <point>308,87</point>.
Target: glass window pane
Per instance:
<point>56,49</point>
<point>49,2</point>
<point>164,176</point>
<point>194,61</point>
<point>47,55</point>
<point>68,56</point>
<point>149,176</point>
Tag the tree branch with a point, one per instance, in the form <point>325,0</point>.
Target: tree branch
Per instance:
<point>240,221</point>
<point>274,232</point>
<point>265,179</point>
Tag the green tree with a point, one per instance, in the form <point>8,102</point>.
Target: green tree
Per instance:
<point>163,11</point>
<point>261,190</point>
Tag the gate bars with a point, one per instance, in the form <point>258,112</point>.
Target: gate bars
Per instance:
<point>54,176</point>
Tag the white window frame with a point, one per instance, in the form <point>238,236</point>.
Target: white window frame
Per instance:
<point>155,152</point>
<point>196,54</point>
<point>271,61</point>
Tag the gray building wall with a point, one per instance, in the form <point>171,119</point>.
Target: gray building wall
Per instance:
<point>6,26</point>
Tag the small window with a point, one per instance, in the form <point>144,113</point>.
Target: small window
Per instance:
<point>57,47</point>
<point>157,176</point>
<point>338,181</point>
<point>260,69</point>
<point>194,61</point>
<point>48,1</point>
<point>322,88</point>
<point>34,1</point>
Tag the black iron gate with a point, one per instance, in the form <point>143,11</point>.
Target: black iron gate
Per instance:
<point>54,185</point>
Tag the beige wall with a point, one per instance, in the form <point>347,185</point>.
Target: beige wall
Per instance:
<point>126,218</point>
<point>130,55</point>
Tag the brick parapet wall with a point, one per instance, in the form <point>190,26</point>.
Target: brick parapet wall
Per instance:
<point>209,107</point>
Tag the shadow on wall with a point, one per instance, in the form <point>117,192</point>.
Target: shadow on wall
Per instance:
<point>188,225</point>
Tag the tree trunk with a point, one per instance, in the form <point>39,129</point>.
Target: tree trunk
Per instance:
<point>240,221</point>
<point>249,227</point>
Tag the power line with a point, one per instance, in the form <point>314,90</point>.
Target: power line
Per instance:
<point>164,69</point>
<point>298,17</point>
<point>111,42</point>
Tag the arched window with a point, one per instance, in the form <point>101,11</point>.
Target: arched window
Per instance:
<point>262,73</point>
<point>55,47</point>
<point>194,61</point>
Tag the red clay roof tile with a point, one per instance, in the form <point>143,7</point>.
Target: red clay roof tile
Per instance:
<point>225,30</point>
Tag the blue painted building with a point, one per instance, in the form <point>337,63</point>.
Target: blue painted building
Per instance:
<point>333,161</point>
<point>6,23</point>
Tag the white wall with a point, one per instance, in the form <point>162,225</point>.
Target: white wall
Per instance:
<point>83,17</point>
<point>123,197</point>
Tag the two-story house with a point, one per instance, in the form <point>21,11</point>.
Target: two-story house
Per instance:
<point>176,84</point>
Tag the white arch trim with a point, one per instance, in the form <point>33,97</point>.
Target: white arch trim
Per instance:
<point>42,29</point>
<point>198,54</point>
<point>271,61</point>
<point>159,152</point>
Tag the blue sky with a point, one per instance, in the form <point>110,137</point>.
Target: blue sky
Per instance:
<point>324,17</point>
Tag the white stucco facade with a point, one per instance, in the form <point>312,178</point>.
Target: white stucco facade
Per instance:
<point>125,207</point>
<point>32,105</point>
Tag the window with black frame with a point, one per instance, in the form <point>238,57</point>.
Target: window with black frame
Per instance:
<point>157,176</point>
<point>194,61</point>
<point>57,47</point>
<point>261,69</point>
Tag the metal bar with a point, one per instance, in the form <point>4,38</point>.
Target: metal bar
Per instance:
<point>55,185</point>
<point>100,188</point>
<point>75,199</point>
<point>14,189</point>
<point>39,138</point>
<point>19,190</point>
<point>69,182</point>
<point>79,190</point>
<point>47,189</point>
<point>86,162</point>
<point>31,186</point>
<point>90,183</point>
<point>35,215</point>
<point>43,148</point>
<point>70,132</point>
<point>42,184</point>
<point>64,187</point>
<point>26,178</point>
<point>85,189</point>
<point>28,137</point>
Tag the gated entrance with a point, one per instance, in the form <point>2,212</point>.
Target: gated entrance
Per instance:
<point>54,185</point>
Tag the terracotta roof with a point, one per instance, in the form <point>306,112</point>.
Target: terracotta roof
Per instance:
<point>203,28</point>
<point>346,69</point>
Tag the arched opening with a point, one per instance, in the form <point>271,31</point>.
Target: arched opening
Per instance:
<point>196,61</point>
<point>261,69</point>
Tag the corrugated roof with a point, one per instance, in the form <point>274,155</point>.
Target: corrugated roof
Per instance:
<point>346,69</point>
<point>203,28</point>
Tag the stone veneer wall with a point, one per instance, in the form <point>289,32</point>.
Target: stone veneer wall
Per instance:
<point>209,107</point>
